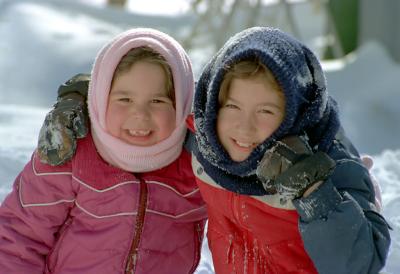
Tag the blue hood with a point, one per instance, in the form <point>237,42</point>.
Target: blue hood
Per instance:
<point>309,109</point>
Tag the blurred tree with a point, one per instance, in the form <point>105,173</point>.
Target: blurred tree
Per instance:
<point>219,19</point>
<point>287,7</point>
<point>117,3</point>
<point>380,21</point>
<point>254,13</point>
<point>213,17</point>
<point>342,25</point>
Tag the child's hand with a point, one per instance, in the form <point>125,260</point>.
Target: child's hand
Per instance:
<point>290,167</point>
<point>67,121</point>
<point>368,163</point>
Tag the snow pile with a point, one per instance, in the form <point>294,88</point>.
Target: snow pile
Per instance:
<point>368,94</point>
<point>19,128</point>
<point>387,169</point>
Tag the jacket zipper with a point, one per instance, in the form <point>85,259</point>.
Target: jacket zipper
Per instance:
<point>61,235</point>
<point>132,258</point>
<point>197,245</point>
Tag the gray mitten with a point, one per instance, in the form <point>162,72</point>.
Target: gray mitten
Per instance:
<point>290,167</point>
<point>67,121</point>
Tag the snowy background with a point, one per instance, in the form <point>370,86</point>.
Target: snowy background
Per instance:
<point>45,42</point>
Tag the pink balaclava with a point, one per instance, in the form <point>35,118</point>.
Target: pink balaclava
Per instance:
<point>115,151</point>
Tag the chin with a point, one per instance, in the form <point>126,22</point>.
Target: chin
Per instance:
<point>239,158</point>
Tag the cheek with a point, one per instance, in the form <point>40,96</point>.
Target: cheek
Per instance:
<point>222,124</point>
<point>114,117</point>
<point>225,120</point>
<point>269,126</point>
<point>167,121</point>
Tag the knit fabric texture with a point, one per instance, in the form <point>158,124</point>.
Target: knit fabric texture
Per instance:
<point>115,151</point>
<point>309,109</point>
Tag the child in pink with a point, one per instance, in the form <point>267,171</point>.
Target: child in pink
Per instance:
<point>127,202</point>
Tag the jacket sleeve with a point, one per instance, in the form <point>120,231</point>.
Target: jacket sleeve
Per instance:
<point>339,223</point>
<point>30,217</point>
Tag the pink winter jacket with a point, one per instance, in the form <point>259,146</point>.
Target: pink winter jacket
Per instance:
<point>89,217</point>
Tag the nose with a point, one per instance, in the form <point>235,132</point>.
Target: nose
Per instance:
<point>139,111</point>
<point>246,123</point>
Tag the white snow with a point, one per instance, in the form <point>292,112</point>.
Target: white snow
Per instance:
<point>45,42</point>
<point>368,94</point>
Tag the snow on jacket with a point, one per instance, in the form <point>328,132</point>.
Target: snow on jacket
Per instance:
<point>337,229</point>
<point>90,217</point>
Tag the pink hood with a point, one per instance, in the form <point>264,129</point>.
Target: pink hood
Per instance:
<point>115,151</point>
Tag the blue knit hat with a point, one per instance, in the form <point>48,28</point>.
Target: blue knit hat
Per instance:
<point>309,109</point>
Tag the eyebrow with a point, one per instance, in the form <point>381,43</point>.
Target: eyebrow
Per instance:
<point>262,104</point>
<point>119,92</point>
<point>271,105</point>
<point>124,92</point>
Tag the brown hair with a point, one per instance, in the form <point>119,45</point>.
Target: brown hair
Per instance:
<point>146,54</point>
<point>246,70</point>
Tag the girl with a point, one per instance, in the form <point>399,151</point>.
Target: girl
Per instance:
<point>127,202</point>
<point>284,193</point>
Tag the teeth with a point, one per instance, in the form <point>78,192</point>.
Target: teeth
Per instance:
<point>246,145</point>
<point>139,132</point>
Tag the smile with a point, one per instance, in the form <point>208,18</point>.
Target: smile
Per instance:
<point>139,133</point>
<point>244,145</point>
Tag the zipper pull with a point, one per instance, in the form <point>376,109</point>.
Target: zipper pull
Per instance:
<point>199,232</point>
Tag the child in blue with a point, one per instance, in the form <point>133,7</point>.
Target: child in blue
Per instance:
<point>298,201</point>
<point>273,167</point>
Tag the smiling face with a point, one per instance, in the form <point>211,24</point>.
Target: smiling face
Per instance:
<point>140,111</point>
<point>251,110</point>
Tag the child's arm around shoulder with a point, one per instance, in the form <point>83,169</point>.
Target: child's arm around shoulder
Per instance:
<point>339,223</point>
<point>32,214</point>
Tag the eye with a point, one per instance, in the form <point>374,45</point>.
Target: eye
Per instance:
<point>124,100</point>
<point>161,100</point>
<point>157,101</point>
<point>231,106</point>
<point>266,111</point>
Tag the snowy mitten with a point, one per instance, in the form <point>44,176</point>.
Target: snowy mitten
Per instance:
<point>290,167</point>
<point>67,121</point>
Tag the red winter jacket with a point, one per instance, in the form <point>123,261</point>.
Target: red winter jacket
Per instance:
<point>250,235</point>
<point>90,217</point>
